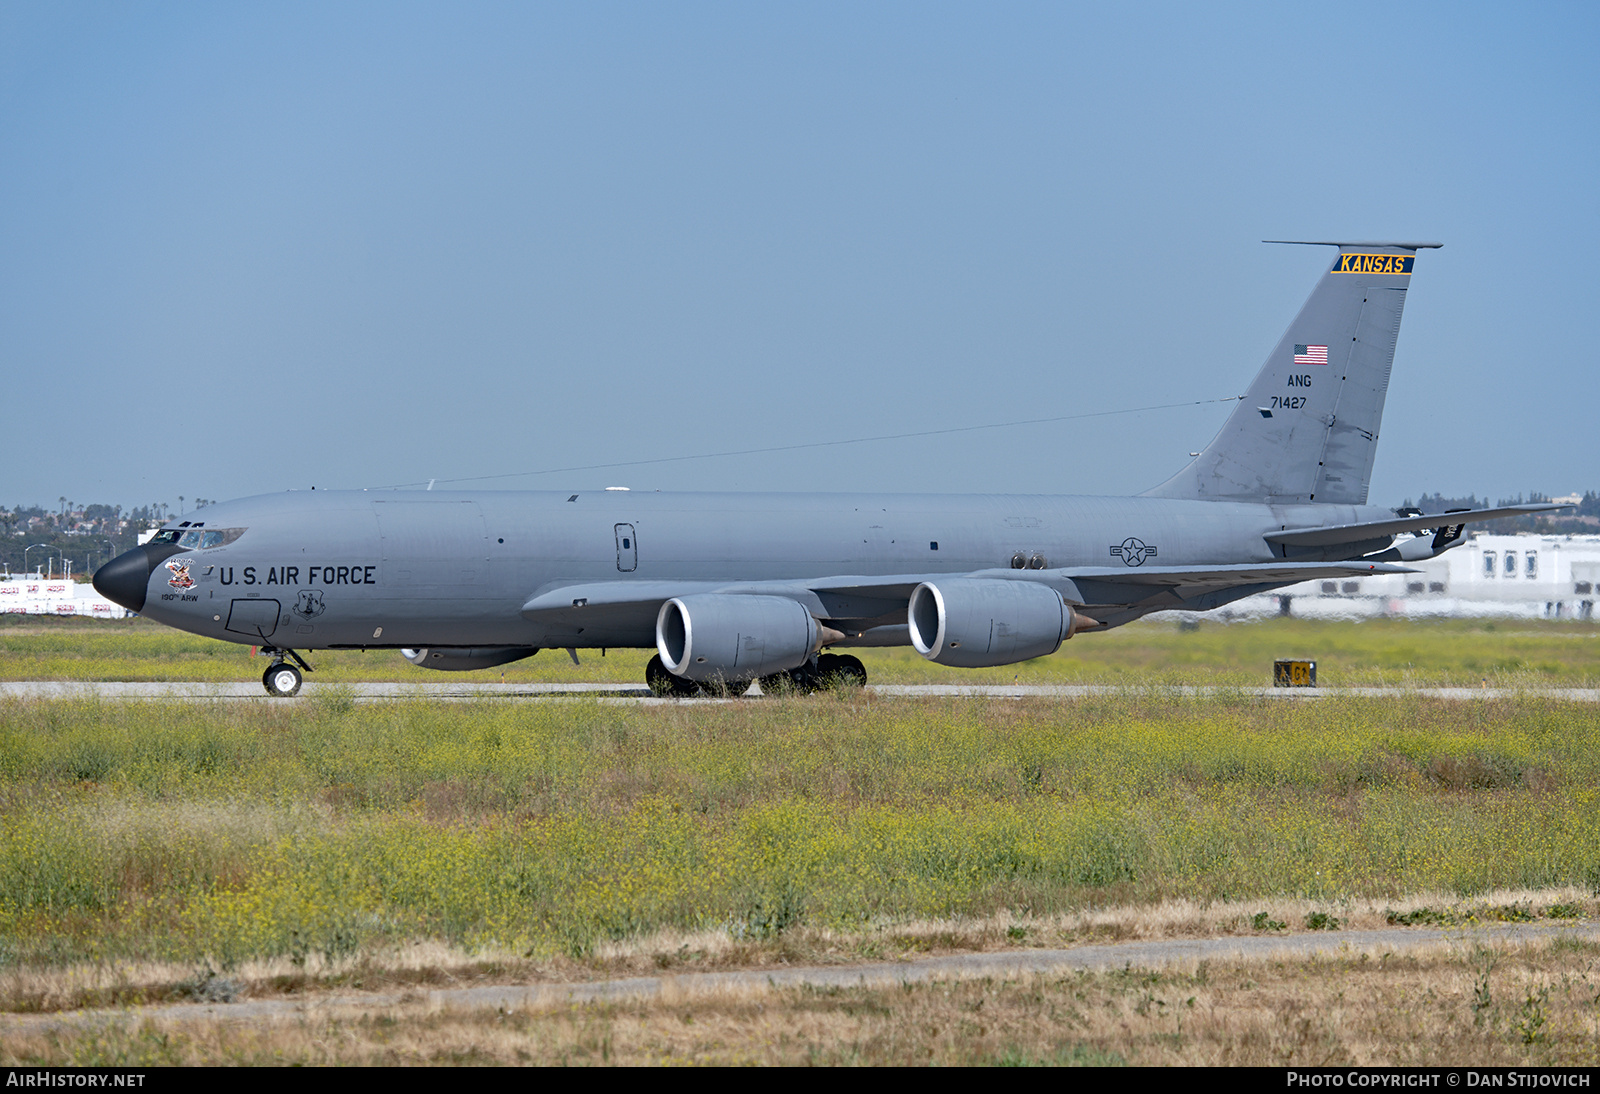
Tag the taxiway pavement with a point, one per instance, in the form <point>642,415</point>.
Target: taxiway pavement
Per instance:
<point>464,691</point>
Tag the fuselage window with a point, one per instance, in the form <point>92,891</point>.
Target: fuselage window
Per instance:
<point>1488,564</point>
<point>1511,564</point>
<point>1530,565</point>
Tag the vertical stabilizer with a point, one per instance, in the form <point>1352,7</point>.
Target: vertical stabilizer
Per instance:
<point>1308,429</point>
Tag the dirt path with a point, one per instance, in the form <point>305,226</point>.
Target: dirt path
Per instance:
<point>1005,965</point>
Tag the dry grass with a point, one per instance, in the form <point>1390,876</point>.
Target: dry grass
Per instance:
<point>1457,1004</point>
<point>430,963</point>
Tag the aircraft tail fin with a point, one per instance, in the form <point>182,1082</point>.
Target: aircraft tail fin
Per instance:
<point>1308,428</point>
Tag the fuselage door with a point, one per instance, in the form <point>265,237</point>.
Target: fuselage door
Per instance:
<point>627,549</point>
<point>257,618</point>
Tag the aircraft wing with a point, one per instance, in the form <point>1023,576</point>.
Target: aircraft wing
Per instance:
<point>1108,594</point>
<point>1377,529</point>
<point>1199,578</point>
<point>829,598</point>
<point>1116,595</point>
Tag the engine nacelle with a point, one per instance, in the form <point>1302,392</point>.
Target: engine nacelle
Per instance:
<point>464,658</point>
<point>719,636</point>
<point>975,623</point>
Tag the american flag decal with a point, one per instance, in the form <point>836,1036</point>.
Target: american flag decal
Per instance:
<point>1310,355</point>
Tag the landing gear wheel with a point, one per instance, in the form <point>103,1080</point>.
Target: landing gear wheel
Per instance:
<point>801,680</point>
<point>664,684</point>
<point>841,671</point>
<point>667,686</point>
<point>776,684</point>
<point>832,671</point>
<point>282,680</point>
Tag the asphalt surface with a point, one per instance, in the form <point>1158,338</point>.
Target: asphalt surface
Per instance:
<point>1004,965</point>
<point>637,693</point>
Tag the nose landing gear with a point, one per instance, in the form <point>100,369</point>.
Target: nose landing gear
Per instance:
<point>281,678</point>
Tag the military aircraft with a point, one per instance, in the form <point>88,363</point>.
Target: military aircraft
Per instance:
<point>730,588</point>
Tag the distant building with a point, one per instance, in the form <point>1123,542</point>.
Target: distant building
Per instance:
<point>1521,576</point>
<point>34,594</point>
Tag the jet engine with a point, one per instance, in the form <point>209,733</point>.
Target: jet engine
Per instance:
<point>464,658</point>
<point>976,622</point>
<point>719,636</point>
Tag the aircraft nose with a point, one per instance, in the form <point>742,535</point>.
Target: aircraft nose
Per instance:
<point>125,578</point>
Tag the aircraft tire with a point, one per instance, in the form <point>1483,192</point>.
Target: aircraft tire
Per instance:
<point>832,671</point>
<point>803,680</point>
<point>282,680</point>
<point>846,672</point>
<point>789,682</point>
<point>665,685</point>
<point>836,672</point>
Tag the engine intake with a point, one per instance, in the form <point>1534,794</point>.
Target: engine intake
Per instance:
<point>975,623</point>
<point>721,636</point>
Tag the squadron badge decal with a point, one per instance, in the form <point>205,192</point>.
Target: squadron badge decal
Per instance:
<point>1133,552</point>
<point>310,605</point>
<point>180,578</point>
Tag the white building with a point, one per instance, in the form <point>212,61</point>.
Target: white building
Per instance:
<point>1523,576</point>
<point>34,594</point>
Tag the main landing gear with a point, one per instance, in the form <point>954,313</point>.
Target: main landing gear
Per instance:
<point>667,686</point>
<point>281,678</point>
<point>831,671</point>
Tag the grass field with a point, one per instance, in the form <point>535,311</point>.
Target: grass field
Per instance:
<point>151,851</point>
<point>1376,652</point>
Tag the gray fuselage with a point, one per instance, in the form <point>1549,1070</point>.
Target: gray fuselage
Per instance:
<point>363,569</point>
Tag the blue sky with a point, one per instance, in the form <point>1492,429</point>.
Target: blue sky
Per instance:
<point>256,247</point>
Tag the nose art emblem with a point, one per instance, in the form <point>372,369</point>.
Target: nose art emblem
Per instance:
<point>180,578</point>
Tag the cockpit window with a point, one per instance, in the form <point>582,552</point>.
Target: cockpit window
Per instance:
<point>198,539</point>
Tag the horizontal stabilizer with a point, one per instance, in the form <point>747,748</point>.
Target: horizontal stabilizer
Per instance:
<point>1357,243</point>
<point>1377,529</point>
